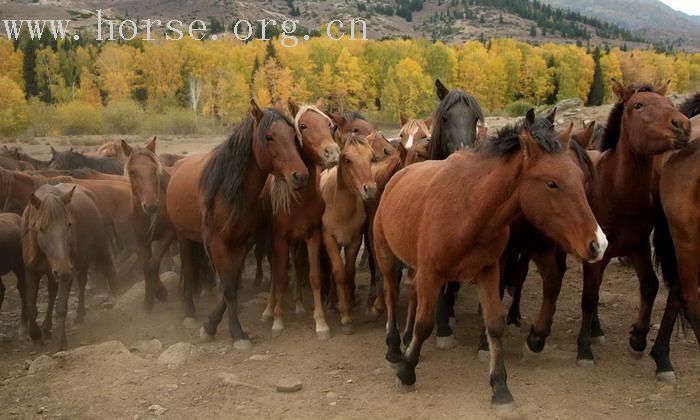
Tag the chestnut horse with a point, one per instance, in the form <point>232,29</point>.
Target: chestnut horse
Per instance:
<point>62,236</point>
<point>413,130</point>
<point>214,199</point>
<point>643,124</point>
<point>345,189</point>
<point>676,244</point>
<point>11,258</point>
<point>295,216</point>
<point>487,189</point>
<point>148,180</point>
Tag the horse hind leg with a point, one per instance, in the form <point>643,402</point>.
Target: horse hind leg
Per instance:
<point>302,268</point>
<point>280,277</point>
<point>188,280</point>
<point>313,248</point>
<point>648,288</point>
<point>82,281</point>
<point>386,262</point>
<point>22,290</point>
<point>514,275</point>
<point>552,266</point>
<point>592,278</point>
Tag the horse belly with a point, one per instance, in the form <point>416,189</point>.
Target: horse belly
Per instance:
<point>183,199</point>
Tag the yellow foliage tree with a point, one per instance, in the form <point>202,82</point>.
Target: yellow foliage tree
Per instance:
<point>11,62</point>
<point>14,117</point>
<point>610,64</point>
<point>116,66</point>
<point>409,91</point>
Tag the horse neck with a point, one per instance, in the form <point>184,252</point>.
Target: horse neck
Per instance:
<point>24,185</point>
<point>627,165</point>
<point>343,189</point>
<point>254,181</point>
<point>385,169</point>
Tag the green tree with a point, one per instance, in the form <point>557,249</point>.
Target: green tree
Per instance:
<point>596,95</point>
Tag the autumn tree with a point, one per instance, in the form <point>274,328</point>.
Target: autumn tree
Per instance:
<point>14,117</point>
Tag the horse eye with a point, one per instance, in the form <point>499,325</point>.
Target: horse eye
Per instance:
<point>638,105</point>
<point>346,160</point>
<point>302,126</point>
<point>268,137</point>
<point>552,185</point>
<point>355,130</point>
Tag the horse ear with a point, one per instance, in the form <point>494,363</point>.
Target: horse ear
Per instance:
<point>126,148</point>
<point>661,90</point>
<point>529,119</point>
<point>527,143</point>
<point>67,197</point>
<point>293,107</point>
<point>151,145</point>
<point>338,119</point>
<point>403,118</point>
<point>36,202</point>
<point>622,92</point>
<point>255,110</point>
<point>442,91</point>
<point>585,136</point>
<point>321,104</point>
<point>53,151</point>
<point>278,105</point>
<point>565,136</point>
<point>551,115</point>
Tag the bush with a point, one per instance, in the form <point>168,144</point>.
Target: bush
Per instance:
<point>173,121</point>
<point>518,108</point>
<point>79,118</point>
<point>42,119</point>
<point>122,117</point>
<point>14,114</point>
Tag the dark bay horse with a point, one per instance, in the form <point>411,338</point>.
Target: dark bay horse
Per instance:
<point>295,217</point>
<point>62,237</point>
<point>11,258</point>
<point>148,180</point>
<point>530,174</point>
<point>643,124</point>
<point>676,242</point>
<point>71,159</point>
<point>214,199</point>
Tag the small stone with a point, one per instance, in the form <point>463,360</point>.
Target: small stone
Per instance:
<point>157,409</point>
<point>260,357</point>
<point>136,417</point>
<point>177,355</point>
<point>331,396</point>
<point>333,404</point>
<point>349,381</point>
<point>228,378</point>
<point>147,346</point>
<point>655,397</point>
<point>41,363</point>
<point>41,410</point>
<point>288,385</point>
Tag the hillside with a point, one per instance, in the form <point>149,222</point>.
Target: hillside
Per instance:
<point>447,20</point>
<point>655,19</point>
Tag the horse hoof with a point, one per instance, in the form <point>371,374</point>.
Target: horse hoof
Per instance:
<point>204,336</point>
<point>373,314</point>
<point>403,388</point>
<point>514,330</point>
<point>323,334</point>
<point>299,309</point>
<point>393,366</point>
<point>266,316</point>
<point>507,408</point>
<point>446,343</point>
<point>668,377</point>
<point>636,355</point>
<point>347,329</point>
<point>598,340</point>
<point>242,344</point>
<point>585,363</point>
<point>452,322</point>
<point>483,356</point>
<point>190,323</point>
<point>528,353</point>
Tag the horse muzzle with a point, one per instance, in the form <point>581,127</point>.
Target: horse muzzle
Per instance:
<point>596,248</point>
<point>150,209</point>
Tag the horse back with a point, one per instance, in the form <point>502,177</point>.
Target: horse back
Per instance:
<point>183,196</point>
<point>88,226</point>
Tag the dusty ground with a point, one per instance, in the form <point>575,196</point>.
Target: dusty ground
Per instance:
<point>344,377</point>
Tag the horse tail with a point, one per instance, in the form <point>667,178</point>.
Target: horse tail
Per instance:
<point>664,251</point>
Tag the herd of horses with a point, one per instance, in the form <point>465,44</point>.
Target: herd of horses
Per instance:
<point>443,203</point>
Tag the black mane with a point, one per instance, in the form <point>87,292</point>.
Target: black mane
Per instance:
<point>613,127</point>
<point>507,139</point>
<point>435,148</point>
<point>225,171</point>
<point>691,106</point>
<point>74,160</point>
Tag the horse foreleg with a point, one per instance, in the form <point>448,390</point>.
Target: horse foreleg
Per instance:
<point>48,318</point>
<point>351,252</point>
<point>188,276</point>
<point>64,285</point>
<point>592,278</point>
<point>82,281</point>
<point>552,266</point>
<point>32,291</point>
<point>386,261</point>
<point>489,296</point>
<point>158,288</point>
<point>301,273</point>
<point>20,273</point>
<point>662,345</point>
<point>313,250</point>
<point>514,275</point>
<point>144,253</point>
<point>427,290</point>
<point>648,288</point>
<point>338,270</point>
<point>280,277</point>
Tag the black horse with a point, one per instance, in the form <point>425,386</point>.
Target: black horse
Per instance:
<point>71,159</point>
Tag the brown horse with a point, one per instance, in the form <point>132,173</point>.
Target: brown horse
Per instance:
<point>676,244</point>
<point>345,189</point>
<point>454,225</point>
<point>11,258</point>
<point>418,152</point>
<point>643,124</point>
<point>214,199</point>
<point>296,216</point>
<point>413,130</point>
<point>62,237</point>
<point>149,218</point>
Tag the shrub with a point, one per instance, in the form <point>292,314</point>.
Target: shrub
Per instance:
<point>79,118</point>
<point>173,121</point>
<point>42,119</point>
<point>518,108</point>
<point>14,114</point>
<point>122,117</point>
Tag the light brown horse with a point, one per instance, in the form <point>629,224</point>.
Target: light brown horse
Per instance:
<point>295,216</point>
<point>643,124</point>
<point>413,130</point>
<point>454,225</point>
<point>345,189</point>
<point>62,237</point>
<point>11,256</point>
<point>148,180</point>
<point>214,199</point>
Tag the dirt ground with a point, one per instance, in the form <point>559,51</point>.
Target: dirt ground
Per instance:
<point>104,376</point>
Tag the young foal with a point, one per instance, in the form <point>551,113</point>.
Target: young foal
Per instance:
<point>62,236</point>
<point>345,189</point>
<point>296,216</point>
<point>214,199</point>
<point>488,189</point>
<point>644,123</point>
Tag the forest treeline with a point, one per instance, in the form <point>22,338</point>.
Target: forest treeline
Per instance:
<point>181,87</point>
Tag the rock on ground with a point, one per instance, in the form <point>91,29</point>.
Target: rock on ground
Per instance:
<point>147,346</point>
<point>177,355</point>
<point>288,385</point>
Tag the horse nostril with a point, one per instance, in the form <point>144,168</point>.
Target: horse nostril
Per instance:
<point>676,123</point>
<point>299,179</point>
<point>594,247</point>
